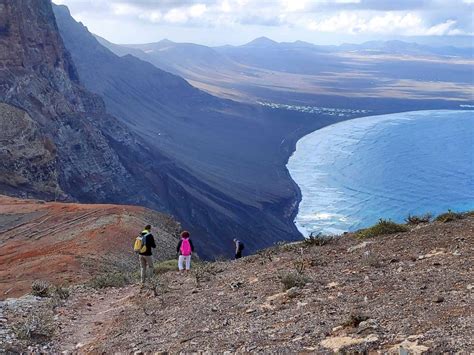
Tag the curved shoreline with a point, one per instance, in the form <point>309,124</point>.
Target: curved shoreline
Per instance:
<point>410,115</point>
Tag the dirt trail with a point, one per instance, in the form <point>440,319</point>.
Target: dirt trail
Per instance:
<point>88,314</point>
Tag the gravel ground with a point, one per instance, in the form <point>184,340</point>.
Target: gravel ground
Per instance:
<point>412,290</point>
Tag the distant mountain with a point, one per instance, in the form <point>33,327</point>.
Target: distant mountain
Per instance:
<point>261,42</point>
<point>177,58</point>
<point>233,156</point>
<point>378,75</point>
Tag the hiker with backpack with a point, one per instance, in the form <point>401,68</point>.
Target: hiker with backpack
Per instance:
<point>239,247</point>
<point>184,249</point>
<point>143,245</point>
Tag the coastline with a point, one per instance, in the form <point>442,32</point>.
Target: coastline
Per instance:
<point>297,189</point>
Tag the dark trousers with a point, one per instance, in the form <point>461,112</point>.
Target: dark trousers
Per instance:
<point>238,255</point>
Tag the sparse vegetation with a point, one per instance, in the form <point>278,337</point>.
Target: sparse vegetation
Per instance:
<point>40,288</point>
<point>110,279</point>
<point>449,216</point>
<point>293,279</point>
<point>414,219</point>
<point>369,259</point>
<point>318,240</point>
<point>203,272</point>
<point>62,292</point>
<point>354,320</point>
<point>266,255</point>
<point>160,286</point>
<point>38,326</point>
<point>163,267</point>
<point>382,227</point>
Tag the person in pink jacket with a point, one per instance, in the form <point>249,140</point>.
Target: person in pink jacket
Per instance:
<point>184,249</point>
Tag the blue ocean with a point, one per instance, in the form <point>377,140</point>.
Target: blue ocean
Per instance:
<point>353,173</point>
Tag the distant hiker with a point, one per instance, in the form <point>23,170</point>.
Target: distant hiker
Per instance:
<point>184,249</point>
<point>143,245</point>
<point>239,247</point>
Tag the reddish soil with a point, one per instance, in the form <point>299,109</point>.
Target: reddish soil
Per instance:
<point>67,242</point>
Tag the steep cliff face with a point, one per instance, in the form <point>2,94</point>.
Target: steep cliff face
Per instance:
<point>38,77</point>
<point>27,158</point>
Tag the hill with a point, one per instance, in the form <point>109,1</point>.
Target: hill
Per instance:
<point>68,243</point>
<point>407,292</point>
<point>377,75</point>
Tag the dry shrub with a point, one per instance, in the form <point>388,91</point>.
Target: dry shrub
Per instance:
<point>449,217</point>
<point>318,240</point>
<point>293,279</point>
<point>369,259</point>
<point>414,220</point>
<point>203,271</point>
<point>38,326</point>
<point>40,288</point>
<point>354,320</point>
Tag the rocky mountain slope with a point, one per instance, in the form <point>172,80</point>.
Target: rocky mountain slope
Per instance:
<point>233,180</point>
<point>57,139</point>
<point>69,243</point>
<point>410,292</point>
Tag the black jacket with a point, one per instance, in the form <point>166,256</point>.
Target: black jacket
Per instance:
<point>178,248</point>
<point>150,243</point>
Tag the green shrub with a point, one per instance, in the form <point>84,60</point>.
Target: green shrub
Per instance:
<point>111,279</point>
<point>163,267</point>
<point>449,217</point>
<point>382,227</point>
<point>414,220</point>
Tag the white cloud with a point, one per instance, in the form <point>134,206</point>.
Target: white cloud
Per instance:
<point>176,16</point>
<point>197,10</point>
<point>388,23</point>
<point>336,18</point>
<point>152,16</point>
<point>294,5</point>
<point>125,9</point>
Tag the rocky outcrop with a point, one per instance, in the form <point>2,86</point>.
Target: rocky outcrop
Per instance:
<point>88,155</point>
<point>27,158</point>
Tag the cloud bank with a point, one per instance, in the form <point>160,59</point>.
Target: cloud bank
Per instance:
<point>334,17</point>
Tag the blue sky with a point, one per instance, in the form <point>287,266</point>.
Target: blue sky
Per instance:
<point>218,22</point>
